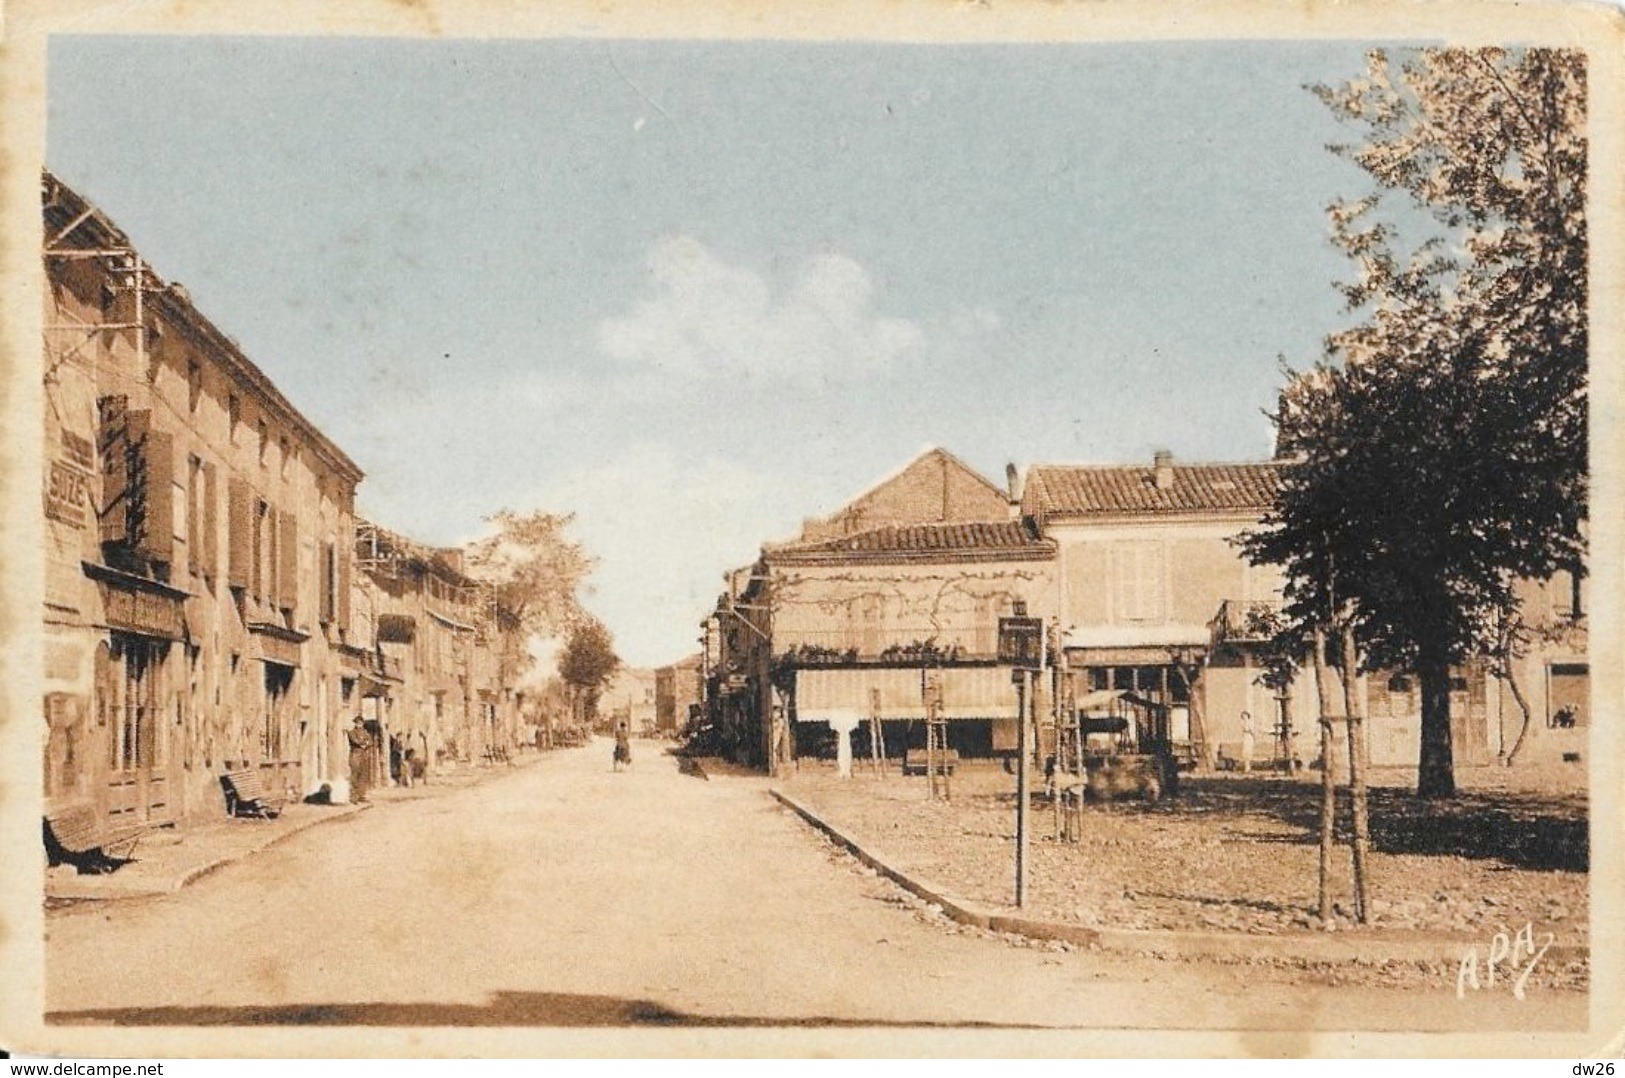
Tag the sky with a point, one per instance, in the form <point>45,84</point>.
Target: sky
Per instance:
<point>695,292</point>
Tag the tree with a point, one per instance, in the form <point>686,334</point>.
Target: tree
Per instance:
<point>1440,445</point>
<point>587,663</point>
<point>537,569</point>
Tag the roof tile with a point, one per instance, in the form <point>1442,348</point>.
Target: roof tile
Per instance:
<point>1083,490</point>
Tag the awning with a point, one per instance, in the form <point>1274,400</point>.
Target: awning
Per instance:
<point>1137,636</point>
<point>1134,645</point>
<point>968,692</point>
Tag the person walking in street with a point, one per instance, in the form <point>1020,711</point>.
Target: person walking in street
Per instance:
<point>360,760</point>
<point>623,747</point>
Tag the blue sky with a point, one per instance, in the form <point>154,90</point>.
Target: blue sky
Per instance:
<point>697,291</point>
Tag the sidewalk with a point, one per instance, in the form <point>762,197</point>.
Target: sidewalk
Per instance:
<point>168,860</point>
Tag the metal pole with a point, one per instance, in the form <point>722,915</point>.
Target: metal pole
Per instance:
<point>1024,749</point>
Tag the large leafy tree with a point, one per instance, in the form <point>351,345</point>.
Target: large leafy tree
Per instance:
<point>587,662</point>
<point>1441,442</point>
<point>537,569</point>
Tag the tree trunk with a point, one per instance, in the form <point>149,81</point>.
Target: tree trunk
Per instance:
<point>1357,792</point>
<point>1436,769</point>
<point>1328,785</point>
<point>1198,720</point>
<point>1510,676</point>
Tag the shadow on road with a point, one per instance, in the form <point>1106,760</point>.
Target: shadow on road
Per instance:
<point>559,1009</point>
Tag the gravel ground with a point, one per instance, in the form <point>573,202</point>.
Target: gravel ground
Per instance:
<point>1239,854</point>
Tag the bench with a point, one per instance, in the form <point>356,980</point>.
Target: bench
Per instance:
<point>76,836</point>
<point>914,762</point>
<point>246,795</point>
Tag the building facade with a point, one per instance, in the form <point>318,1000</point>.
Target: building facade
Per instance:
<point>197,529</point>
<point>203,613</point>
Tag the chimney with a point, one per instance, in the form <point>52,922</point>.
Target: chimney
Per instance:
<point>1012,483</point>
<point>1162,462</point>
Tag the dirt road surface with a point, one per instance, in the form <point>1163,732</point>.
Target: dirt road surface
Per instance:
<point>562,894</point>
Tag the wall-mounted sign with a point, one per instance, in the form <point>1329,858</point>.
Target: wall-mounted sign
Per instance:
<point>68,485</point>
<point>145,612</point>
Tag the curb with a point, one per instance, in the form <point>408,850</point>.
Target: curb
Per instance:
<point>192,875</point>
<point>1167,943</point>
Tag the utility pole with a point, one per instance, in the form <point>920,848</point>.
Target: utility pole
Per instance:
<point>1021,644</point>
<point>1023,793</point>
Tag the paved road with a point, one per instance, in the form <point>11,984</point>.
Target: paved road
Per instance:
<point>562,894</point>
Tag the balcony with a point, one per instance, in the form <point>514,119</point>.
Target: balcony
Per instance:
<point>1246,621</point>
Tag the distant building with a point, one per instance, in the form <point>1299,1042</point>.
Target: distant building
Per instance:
<point>678,690</point>
<point>630,697</point>
<point>442,655</point>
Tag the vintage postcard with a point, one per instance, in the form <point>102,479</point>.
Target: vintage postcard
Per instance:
<point>724,529</point>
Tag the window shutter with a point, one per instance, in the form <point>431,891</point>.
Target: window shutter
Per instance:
<point>113,451</point>
<point>346,559</point>
<point>330,582</point>
<point>287,570</point>
<point>1150,586</point>
<point>211,523</point>
<point>239,532</point>
<point>158,526</point>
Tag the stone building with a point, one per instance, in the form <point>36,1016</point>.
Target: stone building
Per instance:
<point>443,655</point>
<point>198,530</point>
<point>678,690</point>
<point>203,612</point>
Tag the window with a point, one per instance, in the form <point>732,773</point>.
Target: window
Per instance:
<point>278,680</point>
<point>265,441</point>
<point>133,669</point>
<point>282,456</point>
<point>234,415</point>
<point>1565,593</point>
<point>1569,695</point>
<point>194,384</point>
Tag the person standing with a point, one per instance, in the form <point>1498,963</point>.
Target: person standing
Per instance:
<point>1247,741</point>
<point>360,760</point>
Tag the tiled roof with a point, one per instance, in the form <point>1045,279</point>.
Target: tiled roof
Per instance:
<point>951,537</point>
<point>1082,490</point>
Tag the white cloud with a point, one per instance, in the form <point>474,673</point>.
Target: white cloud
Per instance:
<point>708,317</point>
